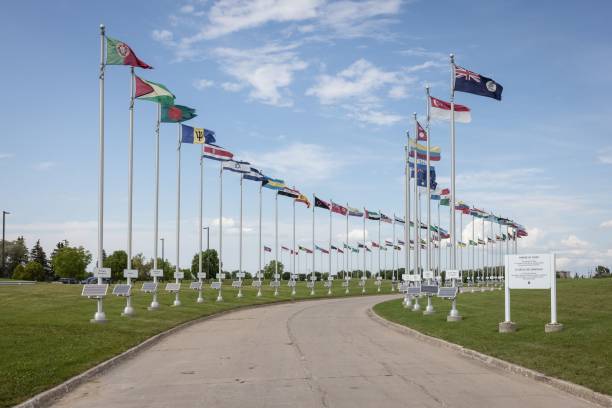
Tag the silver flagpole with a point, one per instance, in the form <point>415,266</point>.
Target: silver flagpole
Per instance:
<point>177,270</point>
<point>346,258</point>
<point>293,271</point>
<point>312,274</point>
<point>330,242</point>
<point>276,244</point>
<point>439,242</point>
<point>220,272</point>
<point>239,295</point>
<point>407,300</point>
<point>259,270</point>
<point>200,229</point>
<point>363,275</point>
<point>393,257</point>
<point>154,303</point>
<point>473,250</point>
<point>417,225</point>
<point>484,250</point>
<point>100,316</point>
<point>379,243</point>
<point>428,178</point>
<point>129,310</point>
<point>454,313</point>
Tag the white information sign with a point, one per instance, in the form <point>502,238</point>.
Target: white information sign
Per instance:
<point>130,273</point>
<point>428,274</point>
<point>414,278</point>
<point>201,275</point>
<point>240,275</point>
<point>179,275</point>
<point>530,271</point>
<point>453,274</point>
<point>102,272</point>
<point>157,272</point>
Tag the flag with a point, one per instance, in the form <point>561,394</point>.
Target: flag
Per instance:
<point>176,113</point>
<point>339,250</point>
<point>354,212</point>
<point>304,200</point>
<point>461,244</point>
<point>463,207</point>
<point>236,166</point>
<point>119,53</point>
<point>308,251</point>
<point>384,218</point>
<point>267,249</point>
<point>439,194</point>
<point>398,220</point>
<point>289,192</point>
<point>318,248</point>
<point>445,201</point>
<point>521,233</point>
<point>398,248</point>
<point>321,204</point>
<point>334,248</point>
<point>355,250</point>
<point>473,243</point>
<point>196,135</point>
<point>382,248</point>
<point>388,243</point>
<point>254,174</point>
<point>284,248</point>
<point>421,134</point>
<point>337,208</point>
<point>480,241</point>
<point>471,82</point>
<point>375,244</point>
<point>371,215</point>
<point>367,249</point>
<point>400,242</point>
<point>214,152</point>
<point>421,151</point>
<point>360,245</point>
<point>152,91</point>
<point>273,184</point>
<point>422,175</point>
<point>442,110</point>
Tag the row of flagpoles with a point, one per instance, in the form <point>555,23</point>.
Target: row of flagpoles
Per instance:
<point>417,161</point>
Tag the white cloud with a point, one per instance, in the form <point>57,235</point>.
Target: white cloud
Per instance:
<point>376,117</point>
<point>163,36</point>
<point>573,242</point>
<point>201,84</point>
<point>6,155</point>
<point>606,224</point>
<point>187,9</point>
<point>232,86</point>
<point>350,19</point>
<point>605,155</point>
<point>301,163</point>
<point>44,165</point>
<point>268,71</point>
<point>356,235</point>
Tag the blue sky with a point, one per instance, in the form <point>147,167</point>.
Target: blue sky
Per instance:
<point>319,93</point>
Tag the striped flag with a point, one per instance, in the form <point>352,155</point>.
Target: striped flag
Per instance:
<point>354,212</point>
<point>304,200</point>
<point>442,110</point>
<point>237,166</point>
<point>214,152</point>
<point>338,209</point>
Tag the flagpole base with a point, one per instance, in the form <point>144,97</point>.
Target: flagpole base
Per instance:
<point>239,295</point>
<point>219,297</point>
<point>553,327</point>
<point>456,318</point>
<point>259,293</point>
<point>293,292</point>
<point>200,298</point>
<point>507,327</point>
<point>275,292</point>
<point>417,306</point>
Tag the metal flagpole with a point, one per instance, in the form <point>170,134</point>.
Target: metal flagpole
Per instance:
<point>154,303</point>
<point>393,257</point>
<point>129,310</point>
<point>177,272</point>
<point>200,229</point>
<point>293,271</point>
<point>428,178</point>
<point>439,242</point>
<point>239,295</point>
<point>276,244</point>
<point>260,248</point>
<point>346,258</point>
<point>379,242</point>
<point>454,313</point>
<point>363,275</point>
<point>329,248</point>
<point>220,272</point>
<point>417,225</point>
<point>484,250</point>
<point>100,316</point>
<point>407,300</point>
<point>473,250</point>
<point>312,274</point>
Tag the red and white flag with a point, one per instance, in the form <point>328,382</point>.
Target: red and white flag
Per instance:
<point>211,151</point>
<point>421,134</point>
<point>337,208</point>
<point>442,110</point>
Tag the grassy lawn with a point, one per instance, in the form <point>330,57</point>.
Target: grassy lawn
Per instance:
<point>582,353</point>
<point>46,336</point>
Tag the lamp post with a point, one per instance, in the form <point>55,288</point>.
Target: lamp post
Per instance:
<point>4,214</point>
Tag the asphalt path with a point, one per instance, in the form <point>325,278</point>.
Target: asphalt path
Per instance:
<point>326,353</point>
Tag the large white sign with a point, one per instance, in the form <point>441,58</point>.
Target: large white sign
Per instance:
<point>530,271</point>
<point>453,274</point>
<point>102,272</point>
<point>428,274</point>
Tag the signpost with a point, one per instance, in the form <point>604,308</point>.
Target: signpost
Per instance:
<point>530,271</point>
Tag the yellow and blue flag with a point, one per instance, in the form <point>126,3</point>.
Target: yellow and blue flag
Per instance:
<point>196,135</point>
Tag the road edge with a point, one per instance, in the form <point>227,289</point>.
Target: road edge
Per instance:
<point>566,386</point>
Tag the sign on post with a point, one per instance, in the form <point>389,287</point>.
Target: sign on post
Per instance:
<point>157,273</point>
<point>102,272</point>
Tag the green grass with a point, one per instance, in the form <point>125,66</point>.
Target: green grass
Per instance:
<point>46,336</point>
<point>582,353</point>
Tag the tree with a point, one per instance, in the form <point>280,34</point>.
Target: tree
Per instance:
<point>142,266</point>
<point>16,254</point>
<point>117,261</point>
<point>601,272</point>
<point>37,254</point>
<point>31,271</point>
<point>270,269</point>
<point>70,262</point>
<point>210,263</point>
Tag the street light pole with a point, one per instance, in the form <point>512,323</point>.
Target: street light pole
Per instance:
<point>4,214</point>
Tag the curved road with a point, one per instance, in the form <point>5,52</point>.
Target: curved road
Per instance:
<point>325,353</point>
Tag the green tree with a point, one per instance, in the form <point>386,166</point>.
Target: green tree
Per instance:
<point>210,263</point>
<point>117,261</point>
<point>601,272</point>
<point>37,254</point>
<point>31,271</point>
<point>142,266</point>
<point>70,262</point>
<point>270,269</point>
<point>16,254</point>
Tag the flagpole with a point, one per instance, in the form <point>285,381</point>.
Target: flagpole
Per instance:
<point>407,300</point>
<point>428,178</point>
<point>484,239</point>
<point>312,292</point>
<point>177,270</point>
<point>454,313</point>
<point>473,249</point>
<point>220,272</point>
<point>239,295</point>
<point>276,244</point>
<point>129,310</point>
<point>200,229</point>
<point>346,267</point>
<point>293,271</point>
<point>439,242</point>
<point>363,275</point>
<point>154,303</point>
<point>330,240</point>
<point>393,257</point>
<point>100,316</point>
<point>260,248</point>
<point>379,243</point>
<point>417,224</point>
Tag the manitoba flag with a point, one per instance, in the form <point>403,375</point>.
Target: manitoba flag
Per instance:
<point>442,110</point>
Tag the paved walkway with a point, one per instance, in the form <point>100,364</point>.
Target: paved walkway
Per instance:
<point>325,353</point>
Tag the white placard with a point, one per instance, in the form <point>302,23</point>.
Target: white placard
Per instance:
<point>240,275</point>
<point>102,272</point>
<point>259,275</point>
<point>405,277</point>
<point>276,276</point>
<point>330,278</point>
<point>130,273</point>
<point>428,274</point>
<point>530,271</point>
<point>201,275</point>
<point>179,275</point>
<point>414,278</point>
<point>379,278</point>
<point>220,276</point>
<point>453,274</point>
<point>157,272</point>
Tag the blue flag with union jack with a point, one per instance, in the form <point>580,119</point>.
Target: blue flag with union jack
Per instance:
<point>471,82</point>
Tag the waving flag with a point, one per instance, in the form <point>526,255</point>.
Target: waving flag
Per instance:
<point>355,250</point>
<point>254,174</point>
<point>338,209</point>
<point>284,248</point>
<point>445,201</point>
<point>422,175</point>
<point>375,244</point>
<point>176,113</point>
<point>384,218</point>
<point>471,82</point>
<point>421,151</point>
<point>388,243</point>
<point>196,135</point>
<point>439,194</point>
<point>354,212</point>
<point>304,200</point>
<point>442,110</point>
<point>400,242</point>
<point>321,204</point>
<point>367,249</point>
<point>237,166</point>
<point>398,219</point>
<point>360,245</point>
<point>119,53</point>
<point>267,249</point>
<point>152,91</point>
<point>214,152</point>
<point>339,250</point>
<point>308,251</point>
<point>289,192</point>
<point>318,248</point>
<point>273,184</point>
<point>421,134</point>
<point>371,215</point>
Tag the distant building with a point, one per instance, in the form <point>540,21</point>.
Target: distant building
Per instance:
<point>564,274</point>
